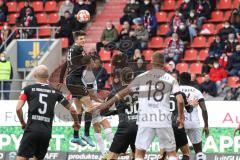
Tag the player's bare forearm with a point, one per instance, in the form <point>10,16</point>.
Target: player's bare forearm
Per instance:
<point>204,113</point>
<point>95,97</point>
<point>118,96</point>
<point>180,104</point>
<point>19,111</point>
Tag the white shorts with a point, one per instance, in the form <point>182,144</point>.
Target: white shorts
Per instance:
<point>97,118</point>
<point>146,135</point>
<point>194,135</point>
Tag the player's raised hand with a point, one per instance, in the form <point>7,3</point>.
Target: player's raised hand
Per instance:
<point>76,126</point>
<point>193,102</point>
<point>206,131</point>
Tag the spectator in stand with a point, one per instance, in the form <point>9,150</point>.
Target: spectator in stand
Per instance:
<point>109,35</point>
<point>141,33</point>
<point>3,11</point>
<point>183,33</point>
<point>226,30</point>
<point>67,25</point>
<point>208,64</point>
<point>146,5</point>
<point>175,22</point>
<point>192,24</point>
<point>231,43</point>
<point>150,23</point>
<point>194,82</point>
<point>223,60</point>
<point>171,67</point>
<point>217,47</point>
<point>156,4</point>
<point>137,55</point>
<point>66,6</point>
<point>186,7</point>
<point>213,4</point>
<point>4,35</point>
<point>208,87</point>
<point>233,66</point>
<point>174,49</point>
<point>100,74</point>
<point>218,75</point>
<point>235,20</point>
<point>29,20</point>
<point>131,11</point>
<point>230,96</point>
<point>116,84</point>
<point>139,66</point>
<point>124,33</point>
<point>6,74</point>
<point>91,5</point>
<point>27,5</point>
<point>203,11</point>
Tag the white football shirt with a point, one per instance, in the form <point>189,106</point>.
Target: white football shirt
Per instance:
<point>155,87</point>
<point>191,119</point>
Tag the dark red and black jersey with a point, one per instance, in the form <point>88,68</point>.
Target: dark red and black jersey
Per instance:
<point>41,99</point>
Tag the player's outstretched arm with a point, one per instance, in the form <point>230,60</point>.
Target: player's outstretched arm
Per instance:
<point>205,116</point>
<point>19,111</point>
<point>118,96</point>
<point>180,104</point>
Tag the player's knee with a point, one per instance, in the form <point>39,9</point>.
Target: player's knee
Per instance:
<point>200,156</point>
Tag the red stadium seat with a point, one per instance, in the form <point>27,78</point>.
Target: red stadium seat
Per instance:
<point>235,3</point>
<point>233,82</point>
<point>37,6</point>
<point>161,17</point>
<point>41,18</point>
<point>108,67</point>
<point>170,15</point>
<point>155,42</point>
<point>53,18</point>
<point>12,6</point>
<point>203,54</point>
<point>196,68</point>
<point>218,27</point>
<point>168,5</point>
<point>65,42</point>
<point>182,67</point>
<point>190,55</point>
<point>163,29</point>
<point>210,27</point>
<point>216,16</point>
<point>210,40</point>
<point>44,32</point>
<point>50,6</point>
<point>148,54</point>
<point>227,15</point>
<point>166,41</point>
<point>225,5</point>
<point>199,42</point>
<point>20,5</point>
<point>179,2</point>
<point>200,79</point>
<point>12,18</point>
<point>105,55</point>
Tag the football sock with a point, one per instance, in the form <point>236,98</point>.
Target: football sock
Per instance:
<point>109,134</point>
<point>100,142</point>
<point>88,119</point>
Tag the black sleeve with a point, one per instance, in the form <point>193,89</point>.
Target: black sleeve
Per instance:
<point>61,99</point>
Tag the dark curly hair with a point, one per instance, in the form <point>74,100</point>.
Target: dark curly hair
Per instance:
<point>127,75</point>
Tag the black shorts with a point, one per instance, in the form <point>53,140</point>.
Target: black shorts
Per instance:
<point>125,135</point>
<point>180,137</point>
<point>34,144</point>
<point>76,86</point>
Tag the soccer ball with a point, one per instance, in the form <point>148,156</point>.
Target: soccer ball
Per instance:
<point>83,16</point>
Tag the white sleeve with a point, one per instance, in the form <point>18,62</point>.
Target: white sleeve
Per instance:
<point>199,95</point>
<point>175,87</point>
<point>134,84</point>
